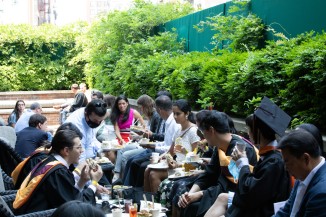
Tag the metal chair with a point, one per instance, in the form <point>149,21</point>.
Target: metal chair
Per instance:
<point>9,134</point>
<point>7,181</point>
<point>9,158</point>
<point>6,208</point>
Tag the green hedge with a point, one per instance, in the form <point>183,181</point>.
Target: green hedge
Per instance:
<point>39,58</point>
<point>291,72</point>
<point>120,54</point>
<point>107,43</point>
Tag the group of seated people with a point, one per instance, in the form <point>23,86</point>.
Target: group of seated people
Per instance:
<point>244,176</point>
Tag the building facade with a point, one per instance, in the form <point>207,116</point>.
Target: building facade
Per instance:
<point>61,12</point>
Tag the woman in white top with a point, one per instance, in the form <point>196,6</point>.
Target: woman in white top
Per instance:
<point>184,141</point>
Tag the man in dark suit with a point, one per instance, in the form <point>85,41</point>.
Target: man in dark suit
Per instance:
<point>32,137</point>
<point>302,157</point>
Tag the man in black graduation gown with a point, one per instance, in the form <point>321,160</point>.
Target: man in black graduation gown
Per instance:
<point>25,167</point>
<point>216,178</point>
<point>269,182</point>
<point>55,183</point>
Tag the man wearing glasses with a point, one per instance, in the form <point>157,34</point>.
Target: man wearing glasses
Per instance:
<point>87,119</point>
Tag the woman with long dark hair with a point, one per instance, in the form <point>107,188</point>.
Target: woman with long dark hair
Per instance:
<point>16,113</point>
<point>123,117</point>
<point>184,141</point>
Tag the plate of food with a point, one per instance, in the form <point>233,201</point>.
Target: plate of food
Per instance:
<point>137,129</point>
<point>102,160</point>
<point>144,213</point>
<point>147,144</point>
<point>179,174</point>
<point>145,141</point>
<point>158,166</point>
<point>192,162</point>
<point>207,159</point>
<point>121,187</point>
<point>196,171</point>
<point>111,145</point>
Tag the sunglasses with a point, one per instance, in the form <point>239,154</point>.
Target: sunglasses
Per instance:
<point>101,104</point>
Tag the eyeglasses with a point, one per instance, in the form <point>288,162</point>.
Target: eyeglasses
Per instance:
<point>101,104</point>
<point>21,104</point>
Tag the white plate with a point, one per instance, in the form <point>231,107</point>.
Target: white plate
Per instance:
<point>99,201</point>
<point>147,143</point>
<point>190,162</point>
<point>177,177</point>
<point>127,215</point>
<point>158,166</point>
<point>114,148</point>
<point>205,159</point>
<point>186,174</point>
<point>195,172</point>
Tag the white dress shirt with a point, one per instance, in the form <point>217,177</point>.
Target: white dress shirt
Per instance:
<point>171,127</point>
<point>303,187</point>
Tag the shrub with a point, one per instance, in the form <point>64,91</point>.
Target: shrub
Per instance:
<point>38,58</point>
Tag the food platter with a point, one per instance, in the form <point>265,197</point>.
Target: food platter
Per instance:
<point>121,187</point>
<point>208,159</point>
<point>147,144</point>
<point>137,129</point>
<point>112,148</point>
<point>158,166</point>
<point>183,174</point>
<point>178,176</point>
<point>193,162</point>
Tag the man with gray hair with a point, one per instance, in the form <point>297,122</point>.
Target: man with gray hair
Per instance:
<point>22,122</point>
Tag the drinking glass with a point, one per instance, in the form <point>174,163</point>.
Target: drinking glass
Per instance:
<point>133,210</point>
<point>109,189</point>
<point>127,203</point>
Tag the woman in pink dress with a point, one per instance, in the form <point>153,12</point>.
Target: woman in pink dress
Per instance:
<point>123,117</point>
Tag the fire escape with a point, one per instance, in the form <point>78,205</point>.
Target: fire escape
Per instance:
<point>44,11</point>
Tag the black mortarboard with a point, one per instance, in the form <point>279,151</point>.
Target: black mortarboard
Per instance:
<point>274,117</point>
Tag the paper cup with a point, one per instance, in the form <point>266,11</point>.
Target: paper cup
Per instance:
<point>117,213</point>
<point>155,157</point>
<point>155,212</point>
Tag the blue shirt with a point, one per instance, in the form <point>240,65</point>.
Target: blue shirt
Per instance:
<point>23,120</point>
<point>89,142</point>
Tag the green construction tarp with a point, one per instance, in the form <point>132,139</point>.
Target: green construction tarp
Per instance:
<point>290,17</point>
<point>195,41</point>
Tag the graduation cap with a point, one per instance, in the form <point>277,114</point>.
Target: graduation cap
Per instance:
<point>274,117</point>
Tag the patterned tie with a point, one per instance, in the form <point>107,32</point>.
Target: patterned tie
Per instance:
<point>161,128</point>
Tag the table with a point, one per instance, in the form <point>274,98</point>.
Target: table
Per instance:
<point>127,215</point>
